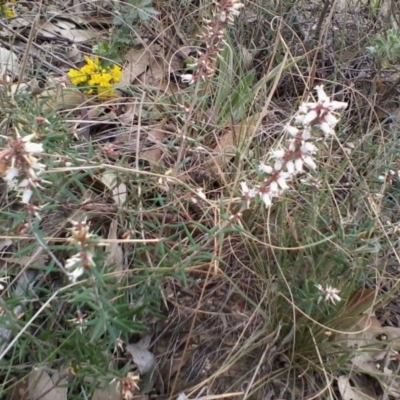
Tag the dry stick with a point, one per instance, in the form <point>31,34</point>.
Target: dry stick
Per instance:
<point>319,33</point>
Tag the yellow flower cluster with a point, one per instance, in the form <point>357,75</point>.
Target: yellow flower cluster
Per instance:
<point>5,10</point>
<point>99,78</point>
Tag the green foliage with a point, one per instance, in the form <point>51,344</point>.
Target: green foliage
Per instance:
<point>386,50</point>
<point>127,18</point>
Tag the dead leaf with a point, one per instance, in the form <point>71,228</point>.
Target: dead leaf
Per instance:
<point>66,30</point>
<point>41,386</point>
<point>143,358</point>
<point>366,329</point>
<point>119,190</point>
<point>19,391</point>
<point>154,154</point>
<point>227,144</point>
<point>109,391</point>
<point>62,98</point>
<point>146,363</point>
<point>393,336</point>
<point>136,62</point>
<point>8,62</point>
<point>115,255</point>
<point>356,308</point>
<point>351,393</point>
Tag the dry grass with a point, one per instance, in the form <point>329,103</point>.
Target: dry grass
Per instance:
<point>227,301</point>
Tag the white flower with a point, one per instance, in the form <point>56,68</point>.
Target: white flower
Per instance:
<point>281,180</point>
<point>75,274</point>
<point>308,148</point>
<point>327,103</point>
<point>326,128</point>
<point>322,96</point>
<point>248,193</point>
<point>310,117</point>
<point>75,263</point>
<point>33,147</point>
<point>265,168</point>
<point>235,8</point>
<point>11,173</point>
<point>299,164</point>
<point>291,130</point>
<point>3,283</point>
<point>187,78</point>
<point>309,162</point>
<point>26,196</point>
<point>278,154</point>
<point>330,293</point>
<point>267,199</point>
<point>273,187</point>
<point>331,120</point>
<point>291,167</point>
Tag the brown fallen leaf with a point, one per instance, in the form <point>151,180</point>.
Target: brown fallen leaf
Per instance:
<point>118,189</point>
<point>109,391</point>
<point>66,30</point>
<point>42,387</point>
<point>351,393</point>
<point>115,256</point>
<point>156,135</point>
<point>62,98</point>
<point>146,363</point>
<point>227,144</point>
<point>19,391</point>
<point>136,62</point>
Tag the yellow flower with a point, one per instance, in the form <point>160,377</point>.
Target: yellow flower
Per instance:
<point>7,11</point>
<point>100,78</point>
<point>77,77</point>
<point>116,73</point>
<point>105,92</point>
